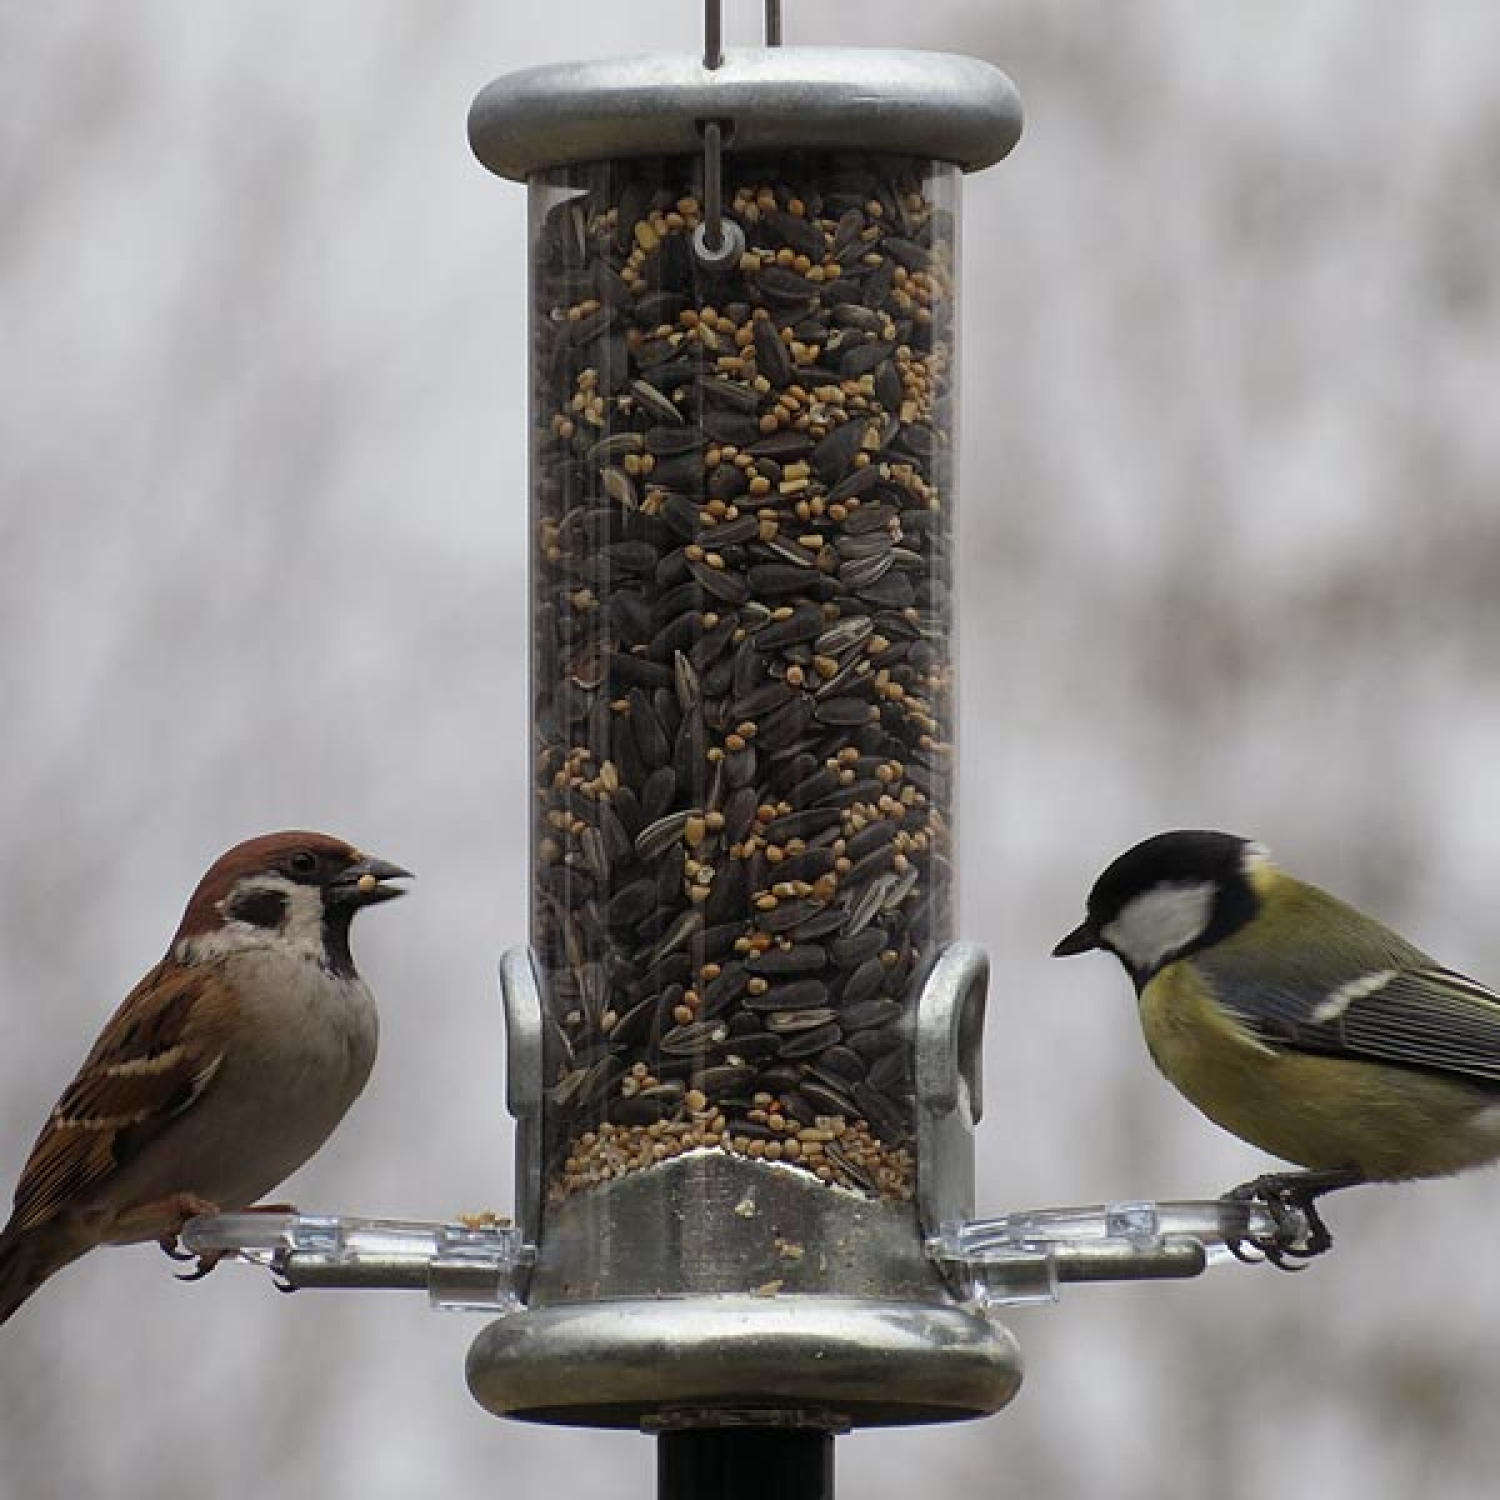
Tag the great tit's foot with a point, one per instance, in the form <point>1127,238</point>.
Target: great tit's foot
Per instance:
<point>1299,1233</point>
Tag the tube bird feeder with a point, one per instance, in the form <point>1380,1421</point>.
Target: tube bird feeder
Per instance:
<point>744,1045</point>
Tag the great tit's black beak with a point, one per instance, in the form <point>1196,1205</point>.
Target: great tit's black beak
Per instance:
<point>1080,940</point>
<point>363,884</point>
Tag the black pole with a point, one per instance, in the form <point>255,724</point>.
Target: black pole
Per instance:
<point>744,1463</point>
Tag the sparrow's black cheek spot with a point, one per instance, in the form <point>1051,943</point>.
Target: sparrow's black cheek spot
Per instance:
<point>260,908</point>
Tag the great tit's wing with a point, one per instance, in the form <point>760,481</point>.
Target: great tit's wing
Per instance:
<point>1413,1014</point>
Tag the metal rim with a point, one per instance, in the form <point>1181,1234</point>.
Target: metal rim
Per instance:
<point>858,1361</point>
<point>934,105</point>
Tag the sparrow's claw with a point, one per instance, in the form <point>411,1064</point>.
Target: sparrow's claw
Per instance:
<point>207,1262</point>
<point>279,1277</point>
<point>1299,1233</point>
<point>177,1210</point>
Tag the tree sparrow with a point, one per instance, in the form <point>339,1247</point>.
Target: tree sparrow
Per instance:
<point>224,1070</point>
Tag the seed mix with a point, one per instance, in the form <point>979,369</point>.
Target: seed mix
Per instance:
<point>742,678</point>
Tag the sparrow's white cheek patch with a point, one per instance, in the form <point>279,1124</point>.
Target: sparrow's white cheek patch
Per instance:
<point>1160,922</point>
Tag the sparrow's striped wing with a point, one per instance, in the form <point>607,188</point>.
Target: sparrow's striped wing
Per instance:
<point>1416,1015</point>
<point>154,1058</point>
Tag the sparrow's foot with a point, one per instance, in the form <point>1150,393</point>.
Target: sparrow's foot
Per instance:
<point>1291,1200</point>
<point>161,1220</point>
<point>174,1212</point>
<point>190,1208</point>
<point>207,1261</point>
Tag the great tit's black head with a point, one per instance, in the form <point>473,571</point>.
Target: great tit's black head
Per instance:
<point>1172,895</point>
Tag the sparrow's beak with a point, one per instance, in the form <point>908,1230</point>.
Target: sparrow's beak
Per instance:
<point>363,884</point>
<point>1080,940</point>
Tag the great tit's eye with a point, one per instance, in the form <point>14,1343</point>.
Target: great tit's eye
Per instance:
<point>303,862</point>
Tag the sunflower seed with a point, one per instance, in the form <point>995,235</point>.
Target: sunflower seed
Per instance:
<point>800,994</point>
<point>796,959</point>
<point>653,401</point>
<point>786,1021</point>
<point>840,1065</point>
<point>694,1038</point>
<point>772,357</point>
<point>808,1042</point>
<point>656,838</point>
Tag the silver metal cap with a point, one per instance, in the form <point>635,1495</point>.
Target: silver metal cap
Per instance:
<point>934,105</point>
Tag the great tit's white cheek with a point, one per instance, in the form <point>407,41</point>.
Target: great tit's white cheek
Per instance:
<point>1160,922</point>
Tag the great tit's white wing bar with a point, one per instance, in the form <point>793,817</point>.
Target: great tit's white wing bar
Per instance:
<point>1417,1017</point>
<point>1430,1018</point>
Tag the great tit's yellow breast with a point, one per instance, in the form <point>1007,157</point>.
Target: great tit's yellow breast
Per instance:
<point>1317,1111</point>
<point>1202,1051</point>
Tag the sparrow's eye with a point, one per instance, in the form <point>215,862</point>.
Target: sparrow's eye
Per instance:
<point>303,862</point>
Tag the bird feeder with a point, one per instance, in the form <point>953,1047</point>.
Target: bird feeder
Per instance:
<point>744,1041</point>
<point>744,1045</point>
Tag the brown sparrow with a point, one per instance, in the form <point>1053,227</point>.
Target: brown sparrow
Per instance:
<point>226,1067</point>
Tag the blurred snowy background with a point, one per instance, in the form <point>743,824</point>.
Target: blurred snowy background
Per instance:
<point>1231,526</point>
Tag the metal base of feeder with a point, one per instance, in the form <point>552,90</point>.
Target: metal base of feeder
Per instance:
<point>831,1361</point>
<point>638,1314</point>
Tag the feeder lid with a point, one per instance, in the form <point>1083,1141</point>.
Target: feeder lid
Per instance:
<point>935,105</point>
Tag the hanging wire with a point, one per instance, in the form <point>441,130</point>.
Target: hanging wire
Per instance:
<point>717,241</point>
<point>713,31</point>
<point>713,34</point>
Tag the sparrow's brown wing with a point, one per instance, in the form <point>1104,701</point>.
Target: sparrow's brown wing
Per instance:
<point>154,1058</point>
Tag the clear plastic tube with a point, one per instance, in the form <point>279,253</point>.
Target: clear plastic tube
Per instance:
<point>742,482</point>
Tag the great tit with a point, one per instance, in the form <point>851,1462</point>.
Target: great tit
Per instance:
<point>1296,1022</point>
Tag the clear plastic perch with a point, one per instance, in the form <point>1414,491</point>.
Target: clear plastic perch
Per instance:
<point>1025,1257</point>
<point>1013,1259</point>
<point>472,1266</point>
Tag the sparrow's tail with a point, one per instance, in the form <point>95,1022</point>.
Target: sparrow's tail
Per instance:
<point>28,1257</point>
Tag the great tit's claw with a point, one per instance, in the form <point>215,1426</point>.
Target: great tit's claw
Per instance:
<point>1244,1249</point>
<point>1300,1235</point>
